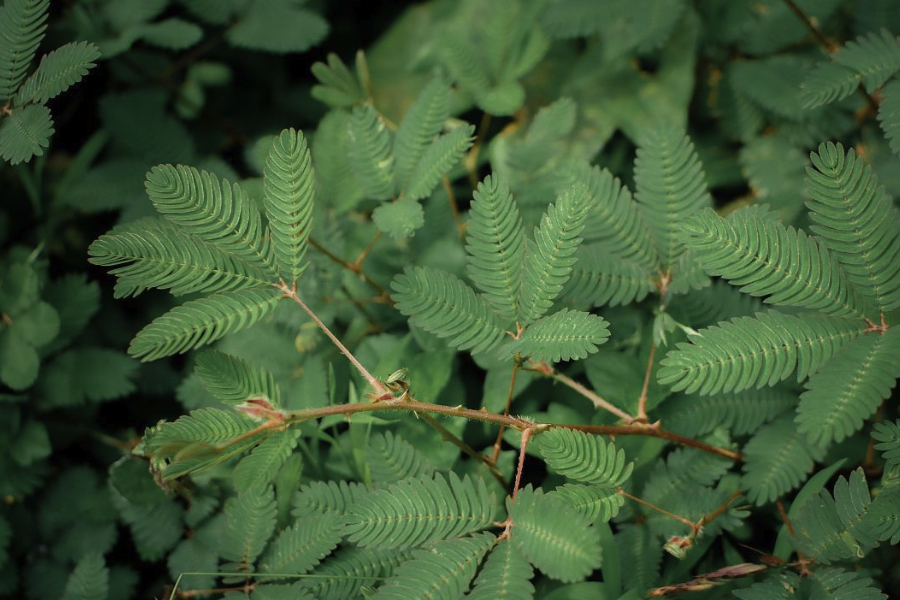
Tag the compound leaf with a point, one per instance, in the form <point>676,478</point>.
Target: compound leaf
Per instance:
<point>22,27</point>
<point>58,71</point>
<point>565,335</point>
<point>25,132</point>
<point>504,576</point>
<point>234,381</point>
<point>583,457</point>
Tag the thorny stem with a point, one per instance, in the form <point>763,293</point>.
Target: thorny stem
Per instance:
<point>642,401</point>
<point>694,527</point>
<point>544,369</point>
<point>451,437</point>
<point>382,293</point>
<point>508,523</point>
<point>509,396</point>
<point>380,390</point>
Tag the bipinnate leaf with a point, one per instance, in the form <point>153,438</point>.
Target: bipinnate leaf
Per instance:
<point>370,153</point>
<point>219,213</point>
<point>748,352</point>
<point>22,27</point>
<point>671,186</point>
<point>887,434</point>
<point>584,457</point>
<point>299,548</point>
<point>849,388</point>
<point>260,467</point>
<point>89,580</point>
<point>444,305</point>
<point>889,114</point>
<point>565,335</point>
<point>441,572</point>
<point>495,242</point>
<point>250,522</point>
<point>765,258</point>
<point>59,70</point>
<point>439,157</point>
<point>290,190</point>
<point>25,132</point>
<point>420,126</point>
<point>504,576</point>
<point>200,322</point>
<point>234,380</point>
<point>553,536</point>
<point>549,259</point>
<point>412,512</point>
<point>856,219</point>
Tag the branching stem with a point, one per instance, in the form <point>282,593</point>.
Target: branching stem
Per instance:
<point>466,449</point>
<point>509,396</point>
<point>548,371</point>
<point>694,527</point>
<point>642,401</point>
<point>382,293</point>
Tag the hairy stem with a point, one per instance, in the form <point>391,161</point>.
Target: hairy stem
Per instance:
<point>526,435</point>
<point>376,385</point>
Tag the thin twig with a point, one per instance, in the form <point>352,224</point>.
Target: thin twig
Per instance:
<point>380,390</point>
<point>547,370</point>
<point>358,263</point>
<point>642,401</point>
<point>709,518</point>
<point>454,208</point>
<point>526,435</point>
<point>694,527</point>
<point>471,160</point>
<point>382,293</point>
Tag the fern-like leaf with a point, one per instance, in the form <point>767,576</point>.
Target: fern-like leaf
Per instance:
<point>444,305</point>
<point>602,279</point>
<point>25,132</point>
<point>421,124</point>
<point>260,467</point>
<point>495,243</point>
<point>391,458</point>
<point>565,335</point>
<point>781,585</point>
<point>217,212</point>
<point>552,536</point>
<point>615,221</point>
<point>837,583</point>
<point>741,412</point>
<point>290,189</point>
<point>769,259</point>
<point>583,457</point>
<point>167,259</point>
<point>849,388</point>
<point>776,460</point>
<point>58,71</point>
<point>442,572</point>
<point>327,498</point>
<point>338,86</point>
<point>234,381</point>
<point>89,580</point>
<point>412,512</point>
<point>300,548</point>
<point>200,322</point>
<point>22,27</point>
<point>889,114</point>
<point>750,352</point>
<point>440,156</point>
<point>594,502</point>
<point>504,576</point>
<point>671,187</point>
<point>549,259</point>
<point>370,153</point>
<point>882,521</point>
<point>343,575</point>
<point>827,83</point>
<point>250,521</point>
<point>856,219</point>
<point>887,435</point>
<point>875,57</point>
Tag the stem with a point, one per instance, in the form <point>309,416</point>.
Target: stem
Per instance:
<point>380,390</point>
<point>358,263</point>
<point>471,160</point>
<point>454,208</point>
<point>526,435</point>
<point>350,267</point>
<point>449,436</point>
<point>599,402</point>
<point>707,519</point>
<point>694,527</point>
<point>509,397</point>
<point>642,401</point>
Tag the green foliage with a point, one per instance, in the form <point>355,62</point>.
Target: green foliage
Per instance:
<point>637,181</point>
